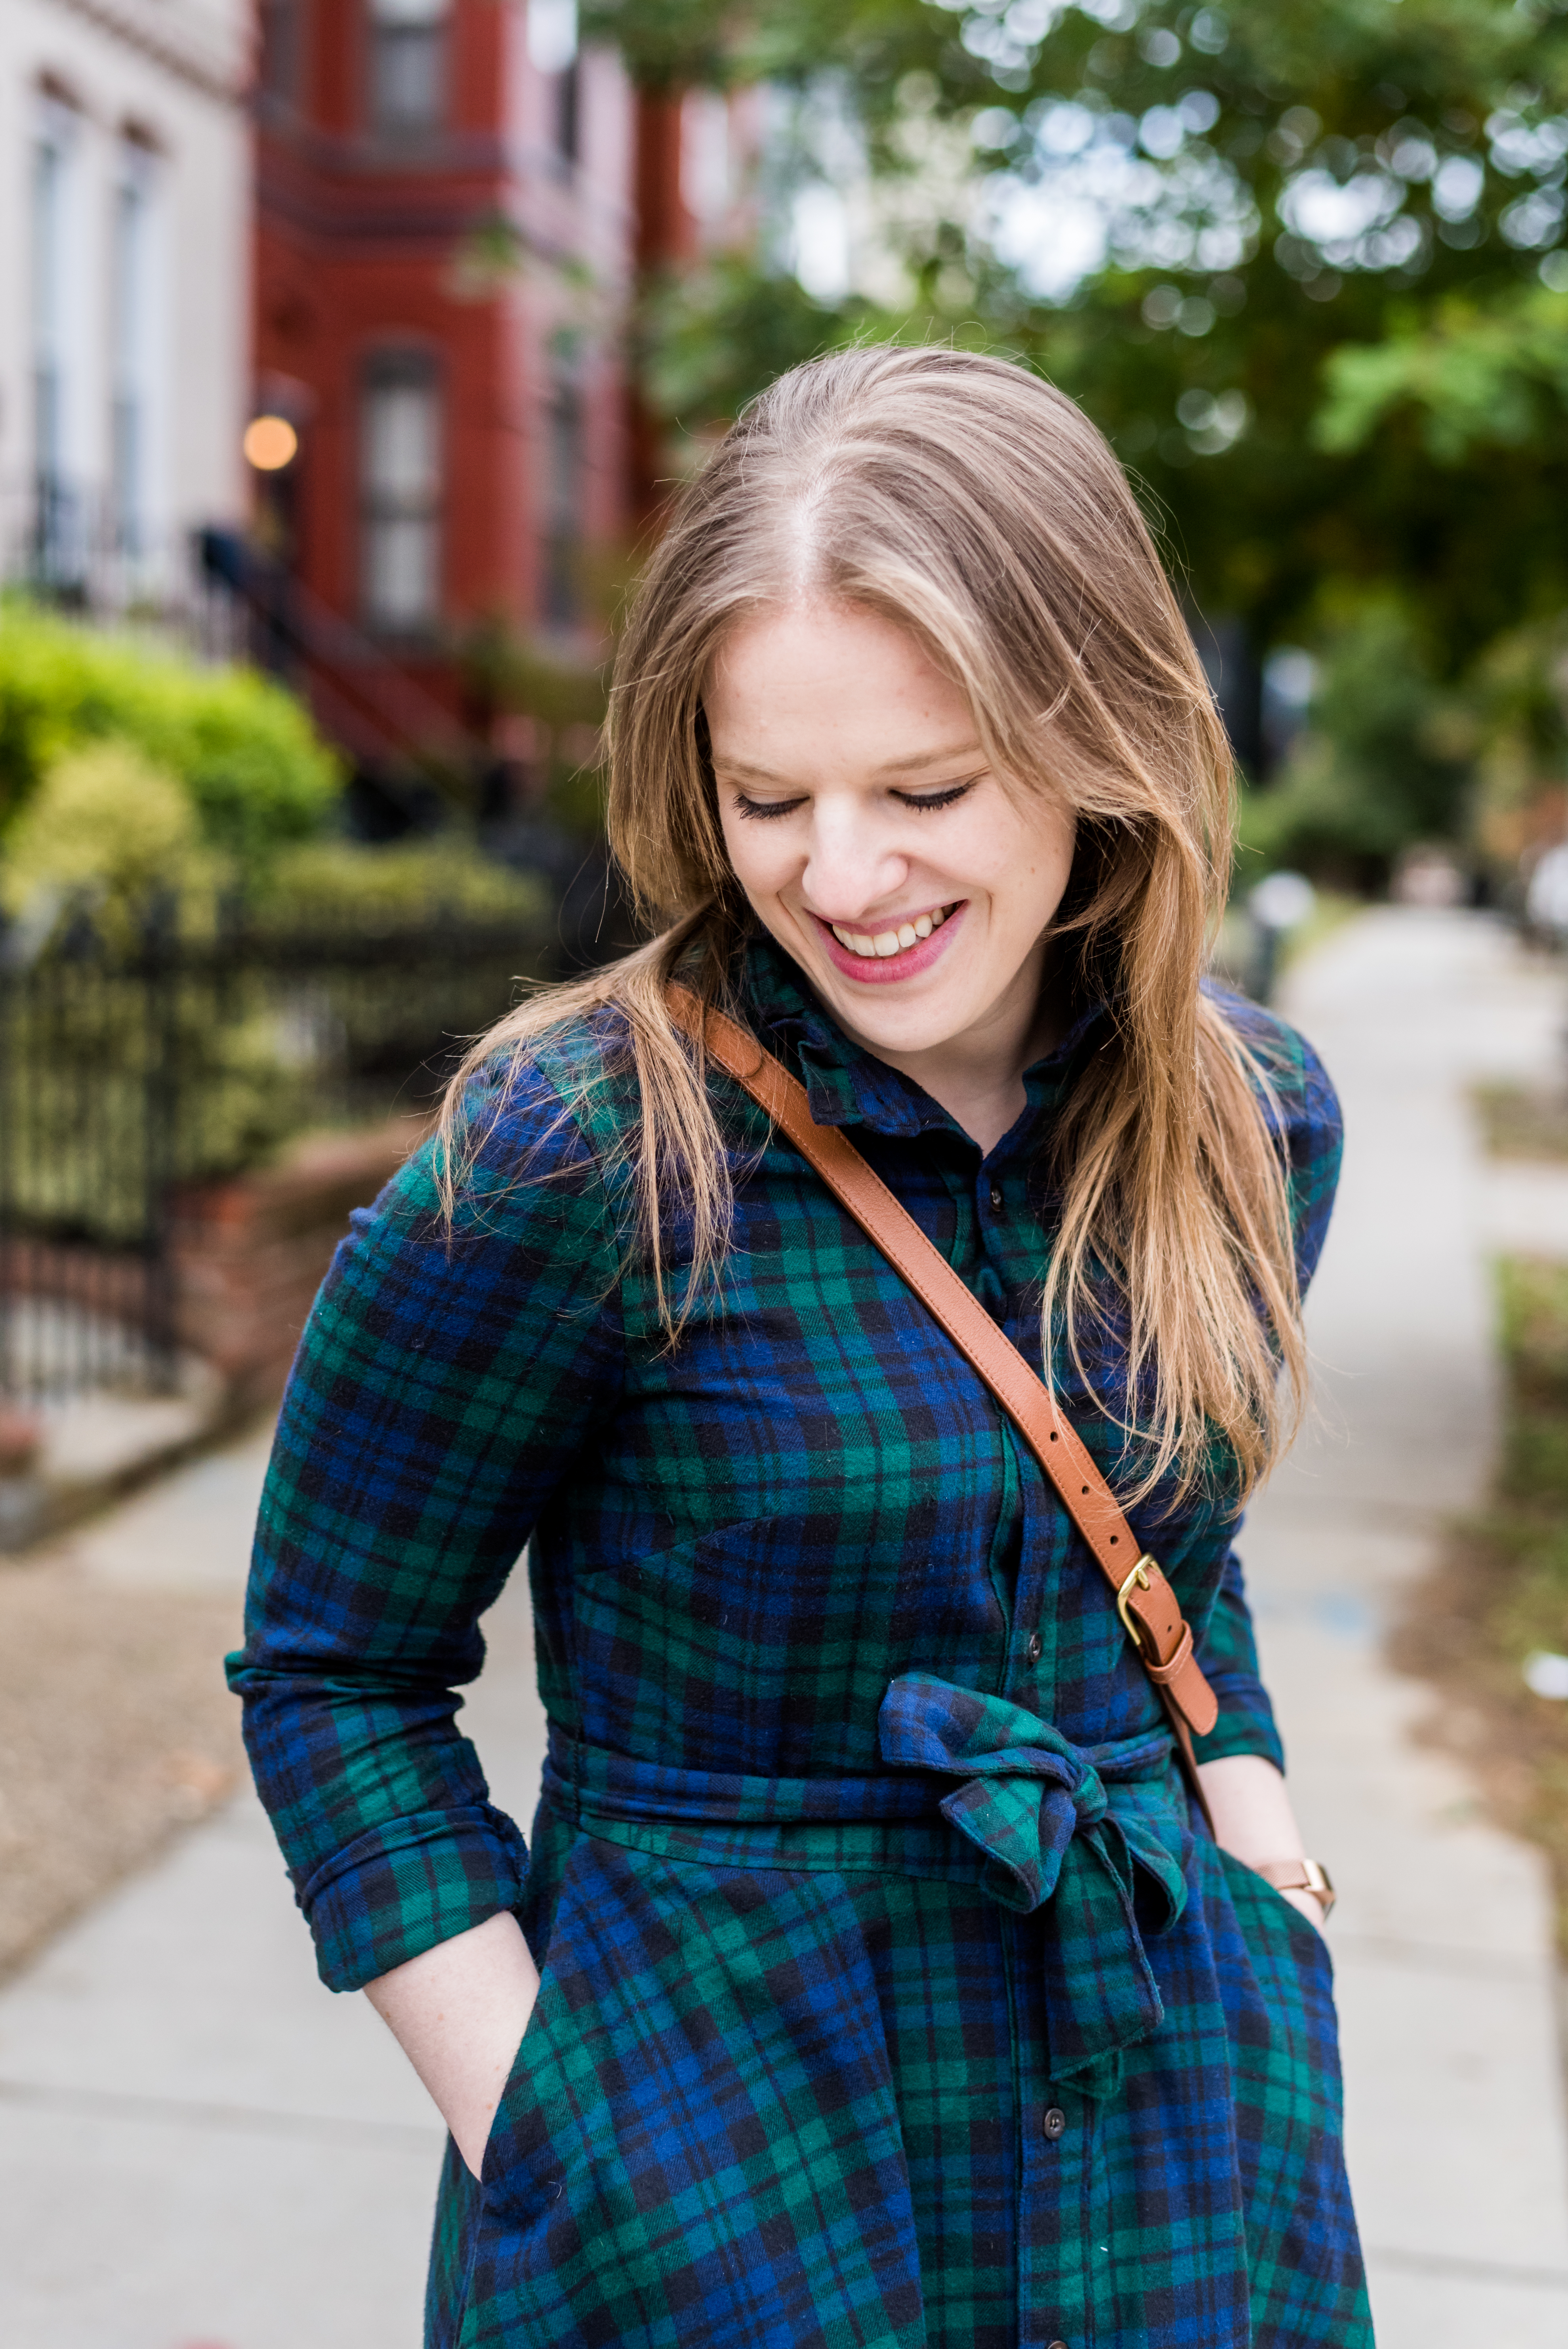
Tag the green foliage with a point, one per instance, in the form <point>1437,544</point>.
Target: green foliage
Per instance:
<point>244,750</point>
<point>331,885</point>
<point>1375,769</point>
<point>106,825</point>
<point>1476,377</point>
<point>714,337</point>
<point>1528,1524</point>
<point>96,1185</point>
<point>669,45</point>
<point>1319,337</point>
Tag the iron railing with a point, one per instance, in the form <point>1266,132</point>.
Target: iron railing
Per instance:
<point>138,1057</point>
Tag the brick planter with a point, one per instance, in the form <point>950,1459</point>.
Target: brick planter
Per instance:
<point>250,1254</point>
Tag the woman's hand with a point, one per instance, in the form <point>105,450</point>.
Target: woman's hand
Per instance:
<point>1253,1819</point>
<point>459,2012</point>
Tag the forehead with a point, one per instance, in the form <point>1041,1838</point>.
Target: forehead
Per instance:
<point>813,677</point>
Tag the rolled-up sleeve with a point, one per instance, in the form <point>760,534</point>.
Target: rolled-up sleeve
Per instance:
<point>444,1388</point>
<point>1228,1654</point>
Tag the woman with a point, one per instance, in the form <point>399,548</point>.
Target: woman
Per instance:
<point>911,744</point>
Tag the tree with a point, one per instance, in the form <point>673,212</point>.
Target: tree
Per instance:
<point>1280,252</point>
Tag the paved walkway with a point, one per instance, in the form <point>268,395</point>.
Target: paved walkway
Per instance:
<point>201,2149</point>
<point>1447,1986</point>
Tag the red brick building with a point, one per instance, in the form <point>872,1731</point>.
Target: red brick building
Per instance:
<point>452,205</point>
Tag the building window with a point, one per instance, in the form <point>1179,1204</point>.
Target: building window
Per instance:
<point>563,505</point>
<point>552,51</point>
<point>400,484</point>
<point>136,350</point>
<point>59,353</point>
<point>408,65</point>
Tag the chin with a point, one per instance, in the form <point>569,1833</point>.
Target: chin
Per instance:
<point>902,1027</point>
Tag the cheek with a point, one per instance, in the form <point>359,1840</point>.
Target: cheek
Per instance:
<point>757,858</point>
<point>1025,867</point>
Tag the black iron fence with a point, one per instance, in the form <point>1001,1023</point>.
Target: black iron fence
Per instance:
<point>140,1058</point>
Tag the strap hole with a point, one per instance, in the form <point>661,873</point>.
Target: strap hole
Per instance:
<point>1114,1539</point>
<point>1053,1439</point>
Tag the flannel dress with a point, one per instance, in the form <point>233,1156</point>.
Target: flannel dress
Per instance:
<point>893,1990</point>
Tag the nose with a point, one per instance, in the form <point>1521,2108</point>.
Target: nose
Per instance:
<point>851,867</point>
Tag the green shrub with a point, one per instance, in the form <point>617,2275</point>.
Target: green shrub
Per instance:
<point>332,883</point>
<point>106,826</point>
<point>257,773</point>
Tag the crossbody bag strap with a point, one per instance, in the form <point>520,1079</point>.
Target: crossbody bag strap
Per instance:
<point>1144,1599</point>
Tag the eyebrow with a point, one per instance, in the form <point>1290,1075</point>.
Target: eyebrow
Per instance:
<point>922,763</point>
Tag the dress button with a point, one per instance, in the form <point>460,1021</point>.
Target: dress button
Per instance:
<point>1055,2123</point>
<point>1056,2344</point>
<point>996,1198</point>
<point>1035,1648</point>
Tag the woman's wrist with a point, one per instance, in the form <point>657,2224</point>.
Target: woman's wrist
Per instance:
<point>1255,1822</point>
<point>459,2012</point>
<point>1307,1905</point>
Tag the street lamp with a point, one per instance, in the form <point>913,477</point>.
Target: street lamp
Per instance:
<point>270,443</point>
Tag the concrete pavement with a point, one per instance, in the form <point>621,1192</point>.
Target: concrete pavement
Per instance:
<point>200,2149</point>
<point>1447,1981</point>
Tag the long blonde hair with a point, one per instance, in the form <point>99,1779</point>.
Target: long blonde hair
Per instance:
<point>970,503</point>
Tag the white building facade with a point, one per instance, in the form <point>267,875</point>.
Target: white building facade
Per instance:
<point>125,261</point>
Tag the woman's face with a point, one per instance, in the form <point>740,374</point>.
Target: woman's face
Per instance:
<point>872,839</point>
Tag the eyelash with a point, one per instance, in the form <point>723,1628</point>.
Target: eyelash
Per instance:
<point>767,810</point>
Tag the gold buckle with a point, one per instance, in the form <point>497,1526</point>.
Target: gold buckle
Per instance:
<point>1320,1884</point>
<point>1130,1622</point>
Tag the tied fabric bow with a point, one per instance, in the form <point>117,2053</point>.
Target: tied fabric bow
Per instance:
<point>1094,1832</point>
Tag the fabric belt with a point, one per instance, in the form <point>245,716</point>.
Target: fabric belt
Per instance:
<point>1095,1836</point>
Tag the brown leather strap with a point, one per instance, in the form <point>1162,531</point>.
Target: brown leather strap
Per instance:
<point>1145,1601</point>
<point>1298,1875</point>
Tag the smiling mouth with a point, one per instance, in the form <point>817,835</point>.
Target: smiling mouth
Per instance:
<point>881,946</point>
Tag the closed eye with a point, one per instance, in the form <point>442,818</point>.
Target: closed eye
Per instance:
<point>765,809</point>
<point>948,798</point>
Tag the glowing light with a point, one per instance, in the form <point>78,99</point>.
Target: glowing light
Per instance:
<point>270,443</point>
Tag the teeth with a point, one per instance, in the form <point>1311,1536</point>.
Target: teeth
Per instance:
<point>889,942</point>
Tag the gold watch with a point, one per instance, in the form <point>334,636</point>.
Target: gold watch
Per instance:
<point>1298,1875</point>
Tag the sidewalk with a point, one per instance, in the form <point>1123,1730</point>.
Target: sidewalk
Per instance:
<point>1447,1983</point>
<point>200,2149</point>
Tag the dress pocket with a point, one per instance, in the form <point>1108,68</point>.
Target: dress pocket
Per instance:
<point>1256,1898</point>
<point>501,2142</point>
<point>1277,1981</point>
<point>698,2140</point>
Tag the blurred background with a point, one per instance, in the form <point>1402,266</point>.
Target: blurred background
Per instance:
<point>349,351</point>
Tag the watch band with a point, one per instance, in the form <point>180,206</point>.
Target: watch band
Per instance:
<point>1298,1875</point>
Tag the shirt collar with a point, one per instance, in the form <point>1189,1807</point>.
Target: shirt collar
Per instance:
<point>846,1085</point>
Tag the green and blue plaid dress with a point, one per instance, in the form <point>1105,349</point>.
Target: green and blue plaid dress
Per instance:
<point>892,1992</point>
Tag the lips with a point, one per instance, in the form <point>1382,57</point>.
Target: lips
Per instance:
<point>891,950</point>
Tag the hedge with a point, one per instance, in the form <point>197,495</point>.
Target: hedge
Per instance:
<point>245,750</point>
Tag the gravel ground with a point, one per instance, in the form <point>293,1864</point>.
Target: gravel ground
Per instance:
<point>116,1732</point>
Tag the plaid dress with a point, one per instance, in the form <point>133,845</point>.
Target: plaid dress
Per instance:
<point>891,1991</point>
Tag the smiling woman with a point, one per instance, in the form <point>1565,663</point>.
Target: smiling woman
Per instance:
<point>916,1947</point>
